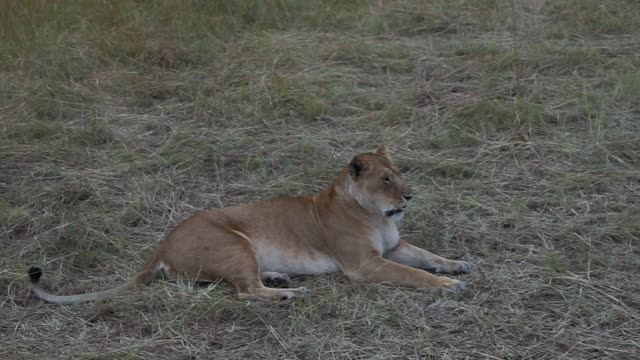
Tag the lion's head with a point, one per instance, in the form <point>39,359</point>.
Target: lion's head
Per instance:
<point>376,184</point>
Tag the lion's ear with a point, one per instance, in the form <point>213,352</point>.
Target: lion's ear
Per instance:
<point>356,167</point>
<point>383,150</point>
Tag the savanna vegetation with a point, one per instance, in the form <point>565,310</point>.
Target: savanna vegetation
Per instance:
<point>516,122</point>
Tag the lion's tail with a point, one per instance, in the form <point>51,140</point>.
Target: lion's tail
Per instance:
<point>143,278</point>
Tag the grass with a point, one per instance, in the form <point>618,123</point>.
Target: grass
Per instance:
<point>515,121</point>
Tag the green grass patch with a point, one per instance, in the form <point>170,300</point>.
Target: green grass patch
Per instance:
<point>490,116</point>
<point>370,55</point>
<point>55,100</point>
<point>309,101</point>
<point>592,17</point>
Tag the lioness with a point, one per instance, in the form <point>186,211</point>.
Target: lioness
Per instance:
<point>349,227</point>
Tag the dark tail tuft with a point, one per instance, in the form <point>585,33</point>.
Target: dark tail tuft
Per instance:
<point>34,274</point>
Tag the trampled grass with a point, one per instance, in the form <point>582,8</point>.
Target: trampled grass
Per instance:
<point>517,122</point>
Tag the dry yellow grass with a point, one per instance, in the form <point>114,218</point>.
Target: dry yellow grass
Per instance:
<point>517,122</point>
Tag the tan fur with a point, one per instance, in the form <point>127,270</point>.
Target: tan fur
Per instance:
<point>345,228</point>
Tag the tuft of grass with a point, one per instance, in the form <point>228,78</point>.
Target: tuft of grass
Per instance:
<point>626,84</point>
<point>556,263</point>
<point>455,169</point>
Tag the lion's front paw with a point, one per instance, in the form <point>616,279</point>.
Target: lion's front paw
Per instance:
<point>452,267</point>
<point>460,267</point>
<point>451,284</point>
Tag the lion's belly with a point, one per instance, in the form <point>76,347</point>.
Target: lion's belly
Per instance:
<point>294,261</point>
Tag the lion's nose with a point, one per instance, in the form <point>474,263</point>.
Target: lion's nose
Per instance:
<point>407,197</point>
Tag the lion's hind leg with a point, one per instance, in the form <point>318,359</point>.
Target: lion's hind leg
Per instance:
<point>250,286</point>
<point>266,293</point>
<point>223,252</point>
<point>249,283</point>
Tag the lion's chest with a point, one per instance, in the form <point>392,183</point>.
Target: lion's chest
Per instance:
<point>387,237</point>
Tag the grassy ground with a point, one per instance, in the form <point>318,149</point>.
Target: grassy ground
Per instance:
<point>517,122</point>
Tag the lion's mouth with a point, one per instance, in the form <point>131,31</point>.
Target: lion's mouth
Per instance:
<point>390,213</point>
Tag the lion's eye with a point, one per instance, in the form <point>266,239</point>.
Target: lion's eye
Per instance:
<point>387,179</point>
